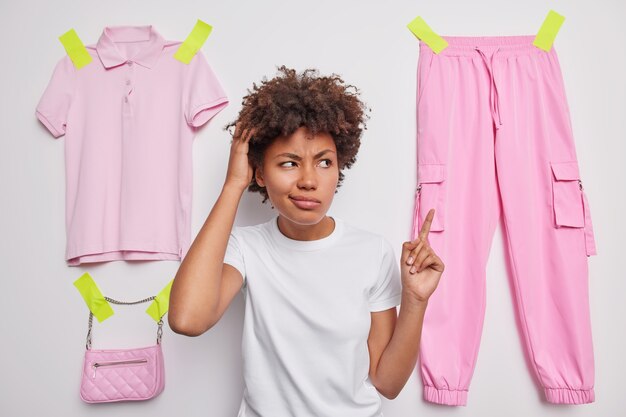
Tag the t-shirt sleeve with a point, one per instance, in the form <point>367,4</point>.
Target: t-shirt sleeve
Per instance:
<point>234,255</point>
<point>387,291</point>
<point>204,95</point>
<point>54,105</point>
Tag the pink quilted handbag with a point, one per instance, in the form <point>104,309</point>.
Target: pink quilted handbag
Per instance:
<point>122,374</point>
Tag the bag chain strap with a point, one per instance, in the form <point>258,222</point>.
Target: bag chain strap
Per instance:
<point>110,300</point>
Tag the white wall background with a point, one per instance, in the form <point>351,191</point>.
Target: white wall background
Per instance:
<point>42,317</point>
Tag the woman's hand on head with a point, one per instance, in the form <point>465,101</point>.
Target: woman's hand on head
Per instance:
<point>420,266</point>
<point>240,170</point>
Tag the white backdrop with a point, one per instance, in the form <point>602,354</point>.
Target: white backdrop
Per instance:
<point>42,317</point>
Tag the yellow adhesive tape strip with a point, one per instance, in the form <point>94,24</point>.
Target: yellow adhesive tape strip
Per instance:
<point>161,303</point>
<point>75,49</point>
<point>100,307</point>
<point>194,42</point>
<point>548,31</point>
<point>422,31</point>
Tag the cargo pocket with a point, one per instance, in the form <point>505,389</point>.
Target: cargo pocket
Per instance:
<point>571,208</point>
<point>430,194</point>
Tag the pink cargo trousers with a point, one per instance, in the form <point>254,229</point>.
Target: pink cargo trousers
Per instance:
<point>494,138</point>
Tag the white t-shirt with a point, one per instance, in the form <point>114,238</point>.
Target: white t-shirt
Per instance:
<point>307,319</point>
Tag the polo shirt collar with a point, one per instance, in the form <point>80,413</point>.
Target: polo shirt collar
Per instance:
<point>111,56</point>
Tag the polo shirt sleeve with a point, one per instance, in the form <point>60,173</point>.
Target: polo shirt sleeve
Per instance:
<point>387,291</point>
<point>204,95</point>
<point>234,254</point>
<point>54,105</point>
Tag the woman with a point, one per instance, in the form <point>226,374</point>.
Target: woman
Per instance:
<point>321,331</point>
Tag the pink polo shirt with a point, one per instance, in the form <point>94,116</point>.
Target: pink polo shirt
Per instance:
<point>129,119</point>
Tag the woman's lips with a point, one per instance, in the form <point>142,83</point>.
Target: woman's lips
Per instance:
<point>304,204</point>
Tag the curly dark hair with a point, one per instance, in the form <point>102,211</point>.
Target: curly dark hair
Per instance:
<point>322,104</point>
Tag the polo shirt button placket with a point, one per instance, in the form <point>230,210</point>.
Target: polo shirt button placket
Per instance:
<point>127,110</point>
<point>128,83</point>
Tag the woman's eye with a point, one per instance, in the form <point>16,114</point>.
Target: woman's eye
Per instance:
<point>326,163</point>
<point>286,164</point>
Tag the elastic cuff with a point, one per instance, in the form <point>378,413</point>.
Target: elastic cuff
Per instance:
<point>445,396</point>
<point>570,396</point>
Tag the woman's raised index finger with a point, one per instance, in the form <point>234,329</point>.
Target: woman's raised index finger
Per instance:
<point>423,233</point>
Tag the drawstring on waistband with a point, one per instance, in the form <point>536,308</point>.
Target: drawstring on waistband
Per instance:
<point>494,98</point>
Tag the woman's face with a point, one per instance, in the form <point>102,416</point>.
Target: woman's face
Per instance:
<point>300,173</point>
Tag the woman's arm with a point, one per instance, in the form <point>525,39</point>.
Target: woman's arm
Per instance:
<point>203,286</point>
<point>394,344</point>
